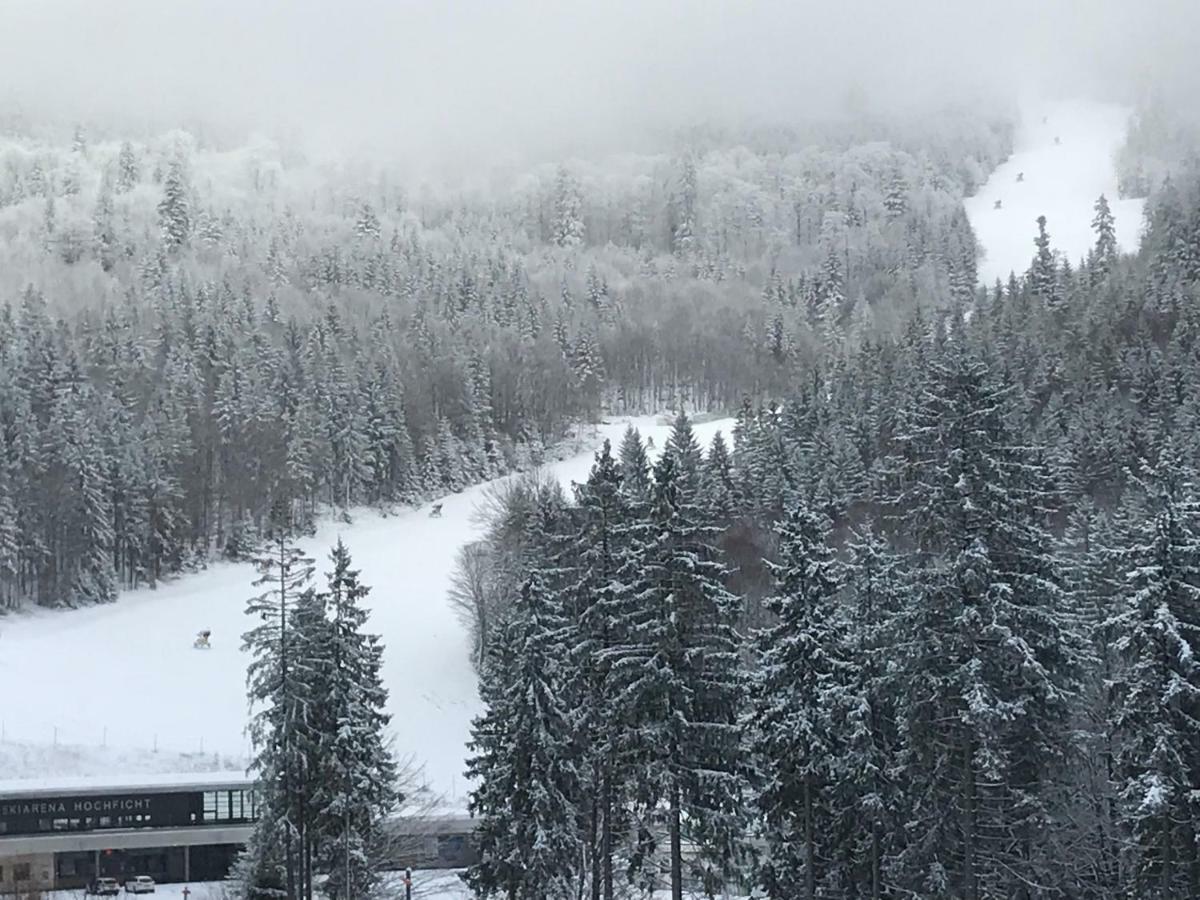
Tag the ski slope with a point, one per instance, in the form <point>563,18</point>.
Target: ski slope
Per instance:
<point>1062,182</point>
<point>121,683</point>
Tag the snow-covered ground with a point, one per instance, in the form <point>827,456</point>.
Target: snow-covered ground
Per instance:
<point>1062,182</point>
<point>427,885</point>
<point>118,689</point>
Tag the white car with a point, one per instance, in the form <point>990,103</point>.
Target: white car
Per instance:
<point>142,884</point>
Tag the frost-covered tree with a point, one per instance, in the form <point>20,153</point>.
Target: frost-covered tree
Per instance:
<point>174,209</point>
<point>1043,272</point>
<point>1155,712</point>
<point>128,172</point>
<point>524,761</point>
<point>1105,250</point>
<point>678,667</point>
<point>981,750</point>
<point>280,703</point>
<point>568,228</point>
<point>357,778</point>
<point>798,712</point>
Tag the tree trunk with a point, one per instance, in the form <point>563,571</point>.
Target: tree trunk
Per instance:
<point>606,836</point>
<point>875,895</point>
<point>593,835</point>
<point>1168,860</point>
<point>969,888</point>
<point>810,850</point>
<point>676,845</point>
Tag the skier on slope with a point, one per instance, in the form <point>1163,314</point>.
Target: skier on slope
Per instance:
<point>1020,176</point>
<point>998,204</point>
<point>202,637</point>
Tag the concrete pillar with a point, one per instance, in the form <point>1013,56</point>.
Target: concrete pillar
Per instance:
<point>96,866</point>
<point>187,864</point>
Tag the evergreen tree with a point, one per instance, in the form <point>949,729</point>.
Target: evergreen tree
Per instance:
<point>679,675</point>
<point>1156,692</point>
<point>635,466</point>
<point>981,749</point>
<point>607,549</point>
<point>174,210</point>
<point>1043,272</point>
<point>568,227</point>
<point>277,687</point>
<point>357,781</point>
<point>128,174</point>
<point>524,761</point>
<point>795,711</point>
<point>1105,251</point>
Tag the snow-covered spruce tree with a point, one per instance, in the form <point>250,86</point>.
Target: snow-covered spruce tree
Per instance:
<point>568,227</point>
<point>524,760</point>
<point>356,783</point>
<point>1156,691</point>
<point>309,727</point>
<point>1094,559</point>
<point>991,654</point>
<point>1106,250</point>
<point>608,536</point>
<point>128,173</point>
<point>679,673</point>
<point>635,467</point>
<point>796,712</point>
<point>10,545</point>
<point>174,210</point>
<point>278,701</point>
<point>1043,270</point>
<point>874,589</point>
<point>93,580</point>
<point>716,482</point>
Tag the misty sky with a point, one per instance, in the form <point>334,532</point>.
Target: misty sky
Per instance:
<point>468,78</point>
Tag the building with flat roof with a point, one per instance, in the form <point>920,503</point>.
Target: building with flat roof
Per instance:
<point>62,834</point>
<point>61,837</point>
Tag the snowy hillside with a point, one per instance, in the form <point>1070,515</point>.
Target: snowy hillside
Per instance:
<point>1061,181</point>
<point>125,676</point>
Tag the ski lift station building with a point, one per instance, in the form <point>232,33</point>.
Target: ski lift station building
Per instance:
<point>176,829</point>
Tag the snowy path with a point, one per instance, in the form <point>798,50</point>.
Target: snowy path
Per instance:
<point>1062,182</point>
<point>125,675</point>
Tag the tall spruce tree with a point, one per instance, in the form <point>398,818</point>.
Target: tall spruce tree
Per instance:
<point>1156,691</point>
<point>992,658</point>
<point>679,671</point>
<point>609,538</point>
<point>524,761</point>
<point>357,783</point>
<point>795,711</point>
<point>279,704</point>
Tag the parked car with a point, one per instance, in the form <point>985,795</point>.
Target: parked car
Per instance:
<point>141,884</point>
<point>104,887</point>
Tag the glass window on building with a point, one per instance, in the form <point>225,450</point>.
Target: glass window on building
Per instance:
<point>21,872</point>
<point>210,806</point>
<point>236,805</point>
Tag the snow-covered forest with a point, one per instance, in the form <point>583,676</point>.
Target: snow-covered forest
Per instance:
<point>926,627</point>
<point>682,452</point>
<point>193,336</point>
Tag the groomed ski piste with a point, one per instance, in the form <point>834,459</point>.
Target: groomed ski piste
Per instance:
<point>119,689</point>
<point>1061,181</point>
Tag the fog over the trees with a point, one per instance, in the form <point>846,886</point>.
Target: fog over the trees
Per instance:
<point>458,82</point>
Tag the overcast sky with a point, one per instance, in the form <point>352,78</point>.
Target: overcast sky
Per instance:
<point>468,77</point>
